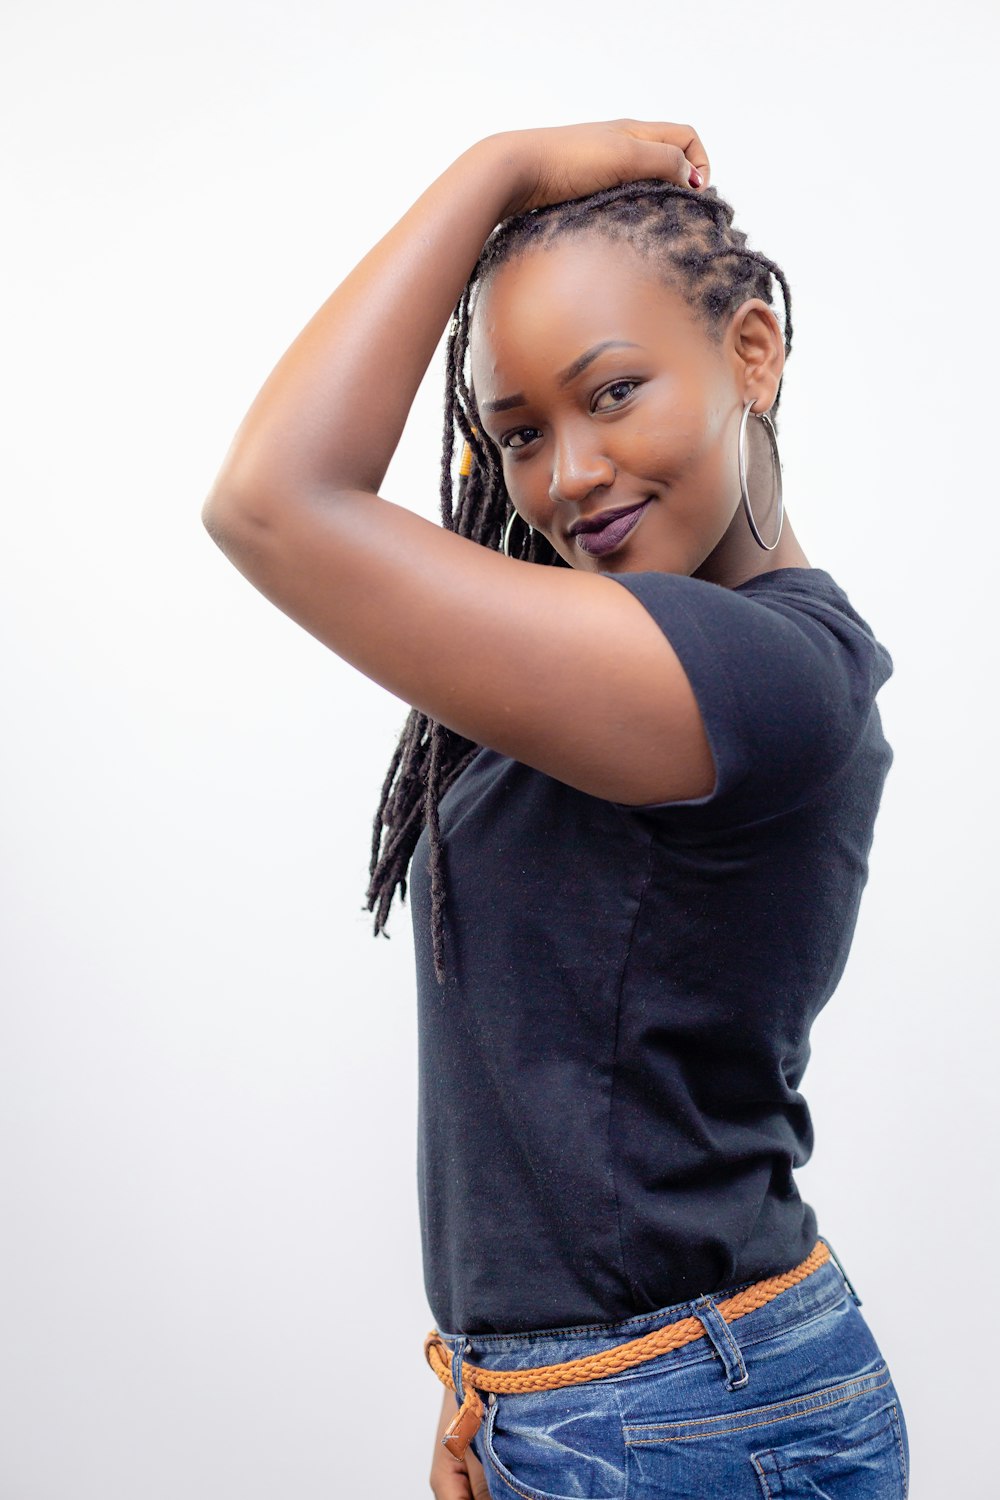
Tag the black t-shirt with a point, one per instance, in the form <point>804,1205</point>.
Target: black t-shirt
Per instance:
<point>609,1115</point>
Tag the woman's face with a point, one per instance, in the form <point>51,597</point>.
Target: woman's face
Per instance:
<point>604,393</point>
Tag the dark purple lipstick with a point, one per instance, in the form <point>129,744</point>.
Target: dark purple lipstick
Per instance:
<point>596,540</point>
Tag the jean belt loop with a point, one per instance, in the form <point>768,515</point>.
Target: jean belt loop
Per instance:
<point>843,1273</point>
<point>721,1336</point>
<point>462,1344</point>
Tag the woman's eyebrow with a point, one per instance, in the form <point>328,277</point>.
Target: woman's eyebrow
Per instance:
<point>579,365</point>
<point>505,403</point>
<point>564,377</point>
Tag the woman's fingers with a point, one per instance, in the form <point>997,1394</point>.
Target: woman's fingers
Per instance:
<point>572,161</point>
<point>669,162</point>
<point>449,1478</point>
<point>665,150</point>
<point>454,1478</point>
<point>458,1479</point>
<point>477,1478</point>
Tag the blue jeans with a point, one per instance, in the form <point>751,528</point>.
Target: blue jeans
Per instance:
<point>792,1400</point>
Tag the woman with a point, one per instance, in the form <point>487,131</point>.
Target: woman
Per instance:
<point>637,819</point>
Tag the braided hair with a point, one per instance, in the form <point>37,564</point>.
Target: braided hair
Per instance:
<point>689,238</point>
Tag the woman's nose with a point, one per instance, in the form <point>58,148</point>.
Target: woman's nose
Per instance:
<point>579,468</point>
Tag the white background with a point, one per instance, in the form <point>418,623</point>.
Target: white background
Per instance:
<point>210,1280</point>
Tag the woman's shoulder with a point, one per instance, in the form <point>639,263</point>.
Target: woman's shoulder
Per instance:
<point>809,592</point>
<point>817,592</point>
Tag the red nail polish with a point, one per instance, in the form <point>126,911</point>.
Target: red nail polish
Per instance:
<point>695,178</point>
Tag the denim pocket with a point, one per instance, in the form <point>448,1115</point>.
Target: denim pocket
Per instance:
<point>863,1460</point>
<point>843,1438</point>
<point>534,1441</point>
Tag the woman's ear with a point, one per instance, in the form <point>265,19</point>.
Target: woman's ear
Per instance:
<point>758,342</point>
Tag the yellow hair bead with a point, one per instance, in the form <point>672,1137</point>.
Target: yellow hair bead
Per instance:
<point>465,467</point>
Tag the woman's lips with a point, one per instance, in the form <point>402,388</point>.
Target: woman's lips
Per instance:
<point>611,535</point>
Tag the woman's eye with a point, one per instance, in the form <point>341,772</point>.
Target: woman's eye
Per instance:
<point>619,391</point>
<point>619,385</point>
<point>505,441</point>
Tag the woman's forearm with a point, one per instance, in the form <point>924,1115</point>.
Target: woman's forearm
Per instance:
<point>330,415</point>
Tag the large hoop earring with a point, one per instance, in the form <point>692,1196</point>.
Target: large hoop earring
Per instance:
<point>506,536</point>
<point>763,417</point>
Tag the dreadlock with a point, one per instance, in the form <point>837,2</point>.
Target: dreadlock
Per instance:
<point>689,237</point>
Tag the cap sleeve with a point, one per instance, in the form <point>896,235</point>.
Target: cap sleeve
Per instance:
<point>785,681</point>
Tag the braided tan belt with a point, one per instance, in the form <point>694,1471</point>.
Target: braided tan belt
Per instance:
<point>465,1423</point>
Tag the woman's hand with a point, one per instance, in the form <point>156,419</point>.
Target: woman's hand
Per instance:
<point>570,161</point>
<point>455,1478</point>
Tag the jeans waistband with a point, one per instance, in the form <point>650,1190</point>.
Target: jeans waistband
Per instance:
<point>822,1289</point>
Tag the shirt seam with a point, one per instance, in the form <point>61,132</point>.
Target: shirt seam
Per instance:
<point>614,1059</point>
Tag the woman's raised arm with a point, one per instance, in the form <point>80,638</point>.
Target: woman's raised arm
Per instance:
<point>543,664</point>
